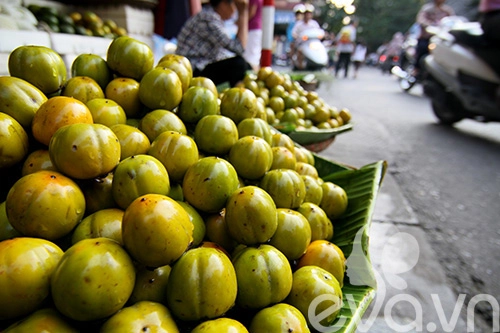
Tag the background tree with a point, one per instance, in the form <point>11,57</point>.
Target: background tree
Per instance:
<point>380,19</point>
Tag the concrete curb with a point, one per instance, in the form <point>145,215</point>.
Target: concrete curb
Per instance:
<point>413,293</point>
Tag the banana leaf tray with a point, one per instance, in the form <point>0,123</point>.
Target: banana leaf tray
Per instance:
<point>315,140</point>
<point>351,234</point>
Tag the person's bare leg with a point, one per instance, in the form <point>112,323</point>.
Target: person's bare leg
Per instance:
<point>300,60</point>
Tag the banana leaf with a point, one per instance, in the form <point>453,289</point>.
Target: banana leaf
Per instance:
<point>308,76</point>
<point>351,234</point>
<point>308,136</point>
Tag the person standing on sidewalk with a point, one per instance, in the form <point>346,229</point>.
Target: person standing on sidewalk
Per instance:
<point>254,44</point>
<point>204,41</point>
<point>299,10</point>
<point>345,46</point>
<point>358,56</point>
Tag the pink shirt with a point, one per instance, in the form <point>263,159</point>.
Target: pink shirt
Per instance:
<point>255,22</point>
<point>489,5</point>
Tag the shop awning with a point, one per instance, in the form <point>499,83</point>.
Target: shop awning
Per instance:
<point>283,16</point>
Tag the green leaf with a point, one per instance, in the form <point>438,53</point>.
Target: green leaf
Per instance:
<point>351,234</point>
<point>285,127</point>
<point>305,137</point>
<point>326,167</point>
<point>309,76</point>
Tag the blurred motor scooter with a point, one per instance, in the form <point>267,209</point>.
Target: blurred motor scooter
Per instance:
<point>315,55</point>
<point>462,73</point>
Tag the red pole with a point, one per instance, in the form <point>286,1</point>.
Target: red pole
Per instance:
<point>267,33</point>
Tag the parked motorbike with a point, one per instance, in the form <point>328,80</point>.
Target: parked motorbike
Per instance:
<point>315,54</point>
<point>408,77</point>
<point>388,62</point>
<point>409,52</point>
<point>405,70</point>
<point>460,77</point>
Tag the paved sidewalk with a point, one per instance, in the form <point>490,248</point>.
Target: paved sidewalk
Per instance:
<point>409,271</point>
<point>413,292</point>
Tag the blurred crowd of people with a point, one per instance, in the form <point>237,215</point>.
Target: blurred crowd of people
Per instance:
<point>214,54</point>
<point>344,48</point>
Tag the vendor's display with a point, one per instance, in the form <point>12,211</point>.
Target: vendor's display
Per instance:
<point>72,28</point>
<point>84,22</point>
<point>58,18</point>
<point>297,111</point>
<point>161,204</point>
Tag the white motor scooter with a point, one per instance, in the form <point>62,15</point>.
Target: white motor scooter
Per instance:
<point>315,55</point>
<point>461,79</point>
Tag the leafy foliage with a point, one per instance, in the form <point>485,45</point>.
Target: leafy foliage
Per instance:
<point>378,19</point>
<point>391,16</point>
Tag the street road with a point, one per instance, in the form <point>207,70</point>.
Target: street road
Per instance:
<point>450,176</point>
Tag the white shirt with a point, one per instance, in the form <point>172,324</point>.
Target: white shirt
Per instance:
<point>301,26</point>
<point>359,53</point>
<point>348,47</point>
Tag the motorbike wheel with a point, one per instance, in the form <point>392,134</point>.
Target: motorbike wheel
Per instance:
<point>408,82</point>
<point>446,114</point>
